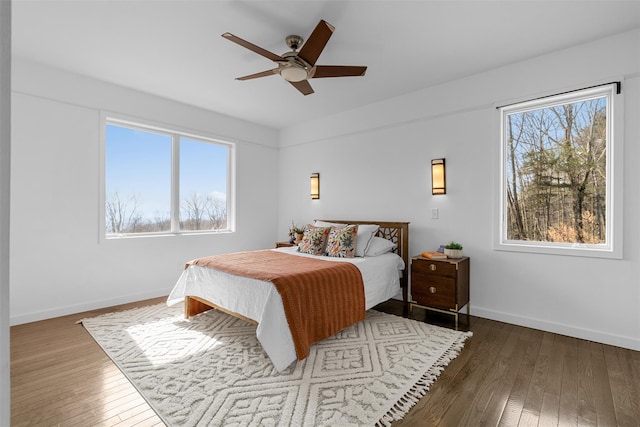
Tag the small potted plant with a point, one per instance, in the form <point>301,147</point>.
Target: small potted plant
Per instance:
<point>295,233</point>
<point>453,250</point>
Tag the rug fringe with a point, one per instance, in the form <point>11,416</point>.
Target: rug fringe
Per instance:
<point>421,387</point>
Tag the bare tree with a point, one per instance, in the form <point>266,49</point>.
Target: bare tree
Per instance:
<point>556,170</point>
<point>216,212</point>
<point>194,208</point>
<point>122,215</point>
<point>512,189</point>
<point>161,223</point>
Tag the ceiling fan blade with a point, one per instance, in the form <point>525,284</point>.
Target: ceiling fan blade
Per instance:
<point>303,86</point>
<point>260,74</point>
<point>316,42</point>
<point>321,71</point>
<point>252,47</point>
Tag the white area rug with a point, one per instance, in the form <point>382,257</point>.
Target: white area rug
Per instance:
<point>211,370</point>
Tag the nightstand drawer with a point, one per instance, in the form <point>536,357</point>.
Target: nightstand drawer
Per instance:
<point>433,268</point>
<point>433,291</point>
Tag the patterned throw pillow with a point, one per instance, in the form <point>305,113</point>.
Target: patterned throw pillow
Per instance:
<point>314,240</point>
<point>342,242</point>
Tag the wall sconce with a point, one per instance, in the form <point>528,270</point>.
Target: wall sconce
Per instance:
<point>438,181</point>
<point>315,186</point>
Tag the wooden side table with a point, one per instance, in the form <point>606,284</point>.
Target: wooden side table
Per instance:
<point>284,244</point>
<point>440,285</point>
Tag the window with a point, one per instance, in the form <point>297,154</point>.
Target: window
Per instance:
<point>557,174</point>
<point>162,181</point>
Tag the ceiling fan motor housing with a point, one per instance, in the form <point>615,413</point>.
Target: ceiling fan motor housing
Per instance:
<point>294,42</point>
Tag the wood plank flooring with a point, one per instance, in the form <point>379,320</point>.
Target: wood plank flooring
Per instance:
<point>506,375</point>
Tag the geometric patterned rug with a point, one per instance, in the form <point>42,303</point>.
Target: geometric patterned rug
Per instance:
<point>211,370</point>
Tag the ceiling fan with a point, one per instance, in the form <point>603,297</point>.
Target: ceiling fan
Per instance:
<point>298,67</point>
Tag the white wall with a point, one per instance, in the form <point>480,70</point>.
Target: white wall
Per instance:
<point>5,179</point>
<point>58,264</point>
<point>374,164</point>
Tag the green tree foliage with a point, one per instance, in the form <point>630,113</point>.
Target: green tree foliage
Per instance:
<point>556,173</point>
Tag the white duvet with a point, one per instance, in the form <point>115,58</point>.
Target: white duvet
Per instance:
<point>260,301</point>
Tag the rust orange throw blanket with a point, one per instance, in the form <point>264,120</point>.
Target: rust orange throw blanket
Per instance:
<point>319,297</point>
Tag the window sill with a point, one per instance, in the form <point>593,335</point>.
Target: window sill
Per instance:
<point>547,248</point>
<point>167,234</point>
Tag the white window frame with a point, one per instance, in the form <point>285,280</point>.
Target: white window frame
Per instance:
<point>175,132</point>
<point>612,248</point>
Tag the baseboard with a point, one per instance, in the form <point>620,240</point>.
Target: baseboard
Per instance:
<point>529,322</point>
<point>631,343</point>
<point>85,306</point>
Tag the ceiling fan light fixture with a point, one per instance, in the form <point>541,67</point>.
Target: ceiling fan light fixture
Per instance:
<point>294,74</point>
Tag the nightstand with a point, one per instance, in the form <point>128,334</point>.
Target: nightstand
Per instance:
<point>284,244</point>
<point>440,285</point>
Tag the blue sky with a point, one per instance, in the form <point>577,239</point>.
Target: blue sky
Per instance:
<point>139,163</point>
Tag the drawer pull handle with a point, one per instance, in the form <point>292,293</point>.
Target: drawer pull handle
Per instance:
<point>432,289</point>
<point>432,267</point>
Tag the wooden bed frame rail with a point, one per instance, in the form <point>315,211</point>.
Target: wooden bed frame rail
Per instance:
<point>196,305</point>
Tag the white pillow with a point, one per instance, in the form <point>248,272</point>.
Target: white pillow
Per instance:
<point>363,239</point>
<point>379,246</point>
<point>327,224</point>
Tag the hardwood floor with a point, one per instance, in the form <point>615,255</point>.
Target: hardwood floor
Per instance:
<point>506,375</point>
<point>61,377</point>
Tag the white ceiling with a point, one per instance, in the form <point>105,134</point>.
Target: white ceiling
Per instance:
<point>174,49</point>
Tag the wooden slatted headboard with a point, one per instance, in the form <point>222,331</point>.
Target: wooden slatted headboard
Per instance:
<point>398,233</point>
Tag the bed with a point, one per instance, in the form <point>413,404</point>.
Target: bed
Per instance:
<point>259,300</point>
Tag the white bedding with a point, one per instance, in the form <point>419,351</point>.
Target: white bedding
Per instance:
<point>260,301</point>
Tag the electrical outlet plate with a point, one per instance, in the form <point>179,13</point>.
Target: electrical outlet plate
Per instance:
<point>435,213</point>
